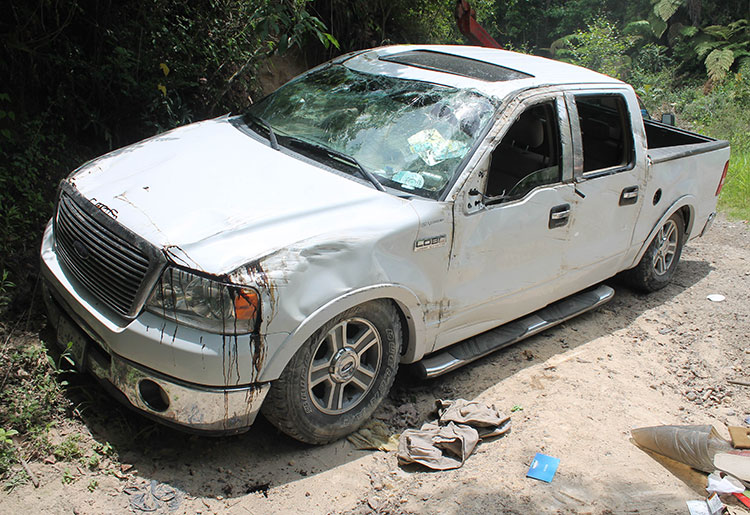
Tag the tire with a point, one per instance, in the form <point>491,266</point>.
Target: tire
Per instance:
<point>659,262</point>
<point>339,376</point>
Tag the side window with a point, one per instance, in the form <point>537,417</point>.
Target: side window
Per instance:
<point>529,155</point>
<point>606,133</point>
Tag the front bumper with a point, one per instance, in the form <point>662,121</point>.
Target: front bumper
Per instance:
<point>168,400</point>
<point>204,382</point>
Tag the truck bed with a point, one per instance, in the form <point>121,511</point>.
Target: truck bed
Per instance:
<point>666,142</point>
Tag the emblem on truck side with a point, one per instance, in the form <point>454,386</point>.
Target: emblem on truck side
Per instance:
<point>430,243</point>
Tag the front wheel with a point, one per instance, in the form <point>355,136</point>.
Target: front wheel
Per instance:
<point>659,262</point>
<point>339,376</point>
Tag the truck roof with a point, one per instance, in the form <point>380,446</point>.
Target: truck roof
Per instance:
<point>490,71</point>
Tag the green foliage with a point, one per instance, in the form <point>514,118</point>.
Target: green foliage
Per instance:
<point>104,449</point>
<point>600,47</point>
<point>31,398</point>
<point>7,451</point>
<point>665,9</point>
<point>5,287</point>
<point>722,112</point>
<point>718,63</point>
<point>358,24</point>
<point>20,477</point>
<point>719,47</point>
<point>69,449</point>
<point>6,436</point>
<point>88,77</point>
<point>736,192</point>
<point>67,477</point>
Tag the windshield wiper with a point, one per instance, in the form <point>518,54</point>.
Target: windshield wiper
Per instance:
<point>331,152</point>
<point>271,135</point>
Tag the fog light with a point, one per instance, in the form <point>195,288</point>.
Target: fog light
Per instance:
<point>153,395</point>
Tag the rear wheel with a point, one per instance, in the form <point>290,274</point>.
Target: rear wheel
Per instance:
<point>339,375</point>
<point>658,264</point>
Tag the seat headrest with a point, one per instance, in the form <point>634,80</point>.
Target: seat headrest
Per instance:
<point>527,131</point>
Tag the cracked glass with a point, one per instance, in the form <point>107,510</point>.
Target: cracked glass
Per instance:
<point>410,135</point>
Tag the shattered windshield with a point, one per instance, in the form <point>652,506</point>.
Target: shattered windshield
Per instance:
<point>409,135</point>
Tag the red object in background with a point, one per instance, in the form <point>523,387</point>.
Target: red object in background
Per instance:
<point>723,178</point>
<point>743,499</point>
<point>467,24</point>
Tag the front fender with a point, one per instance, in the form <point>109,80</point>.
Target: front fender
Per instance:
<point>407,301</point>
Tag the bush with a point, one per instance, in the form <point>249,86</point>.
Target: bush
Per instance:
<point>601,47</point>
<point>89,77</point>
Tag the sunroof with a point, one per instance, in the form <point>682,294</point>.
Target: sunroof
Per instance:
<point>456,65</point>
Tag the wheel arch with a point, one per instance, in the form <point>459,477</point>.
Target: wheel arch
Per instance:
<point>404,300</point>
<point>683,205</point>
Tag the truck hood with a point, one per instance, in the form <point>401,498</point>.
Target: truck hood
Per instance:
<point>215,198</point>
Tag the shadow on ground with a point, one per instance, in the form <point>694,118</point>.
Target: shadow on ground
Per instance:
<point>262,458</point>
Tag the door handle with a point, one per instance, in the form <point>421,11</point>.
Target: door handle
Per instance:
<point>559,215</point>
<point>629,196</point>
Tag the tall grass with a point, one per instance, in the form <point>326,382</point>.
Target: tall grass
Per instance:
<point>735,196</point>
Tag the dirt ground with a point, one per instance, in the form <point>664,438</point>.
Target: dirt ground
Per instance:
<point>640,360</point>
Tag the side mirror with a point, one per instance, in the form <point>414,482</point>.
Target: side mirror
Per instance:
<point>668,119</point>
<point>488,201</point>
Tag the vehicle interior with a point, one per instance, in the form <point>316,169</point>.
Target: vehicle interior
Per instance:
<point>528,155</point>
<point>605,131</point>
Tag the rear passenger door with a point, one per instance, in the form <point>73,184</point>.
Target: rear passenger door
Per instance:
<point>608,172</point>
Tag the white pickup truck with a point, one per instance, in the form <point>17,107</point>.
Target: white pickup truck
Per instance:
<point>380,209</point>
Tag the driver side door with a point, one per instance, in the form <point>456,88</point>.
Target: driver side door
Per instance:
<point>509,242</point>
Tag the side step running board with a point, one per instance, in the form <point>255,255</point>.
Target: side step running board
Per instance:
<point>474,348</point>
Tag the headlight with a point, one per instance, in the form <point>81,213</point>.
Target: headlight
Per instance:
<point>204,303</point>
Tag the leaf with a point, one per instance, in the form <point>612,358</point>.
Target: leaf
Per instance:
<point>718,63</point>
<point>164,68</point>
<point>638,28</point>
<point>658,26</point>
<point>738,24</point>
<point>705,47</point>
<point>333,40</point>
<point>162,88</point>
<point>718,31</point>
<point>563,43</point>
<point>689,31</point>
<point>665,9</point>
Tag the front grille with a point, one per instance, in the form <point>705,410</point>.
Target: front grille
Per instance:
<point>98,252</point>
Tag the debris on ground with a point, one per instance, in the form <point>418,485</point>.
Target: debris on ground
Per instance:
<point>374,435</point>
<point>712,505</point>
<point>448,442</point>
<point>695,446</point>
<point>740,437</point>
<point>543,467</point>
<point>153,497</point>
<point>724,484</point>
<point>485,419</point>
